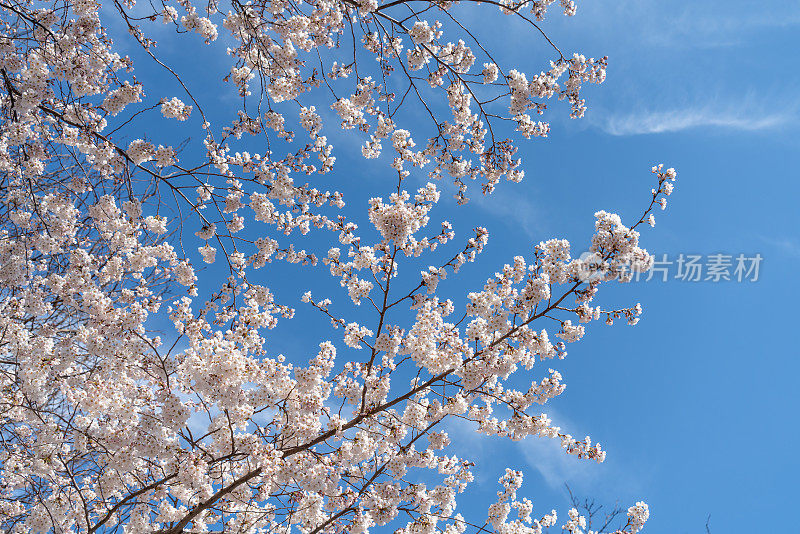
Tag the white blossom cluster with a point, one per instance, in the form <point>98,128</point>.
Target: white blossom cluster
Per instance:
<point>174,108</point>
<point>140,390</point>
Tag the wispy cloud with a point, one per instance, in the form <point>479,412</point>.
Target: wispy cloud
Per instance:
<point>555,465</point>
<point>653,122</point>
<point>469,444</point>
<point>708,25</point>
<point>513,206</point>
<point>789,246</point>
<point>699,24</point>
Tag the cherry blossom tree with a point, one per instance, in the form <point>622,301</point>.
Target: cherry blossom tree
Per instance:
<point>139,390</point>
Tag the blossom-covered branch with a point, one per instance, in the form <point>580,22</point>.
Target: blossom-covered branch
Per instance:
<point>140,387</point>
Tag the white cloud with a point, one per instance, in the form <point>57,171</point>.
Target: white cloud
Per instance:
<point>555,465</point>
<point>512,205</point>
<point>466,443</point>
<point>789,246</point>
<point>695,24</point>
<point>711,26</point>
<point>650,122</point>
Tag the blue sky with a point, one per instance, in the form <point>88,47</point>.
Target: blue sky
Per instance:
<point>696,405</point>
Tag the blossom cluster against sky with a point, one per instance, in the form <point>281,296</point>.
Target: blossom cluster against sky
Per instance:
<point>696,404</point>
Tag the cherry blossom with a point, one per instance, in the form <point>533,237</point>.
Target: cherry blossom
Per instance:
<point>140,385</point>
